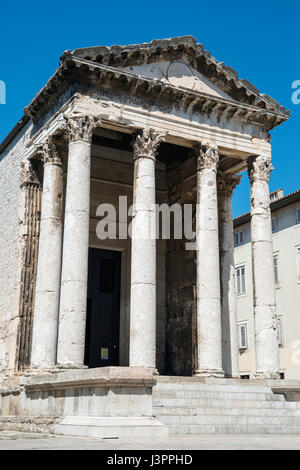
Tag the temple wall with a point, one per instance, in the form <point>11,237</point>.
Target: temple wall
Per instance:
<point>10,161</point>
<point>15,229</point>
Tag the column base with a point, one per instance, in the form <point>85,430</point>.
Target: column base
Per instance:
<point>31,371</point>
<point>61,367</point>
<point>153,369</point>
<point>217,373</point>
<point>52,369</point>
<point>267,375</point>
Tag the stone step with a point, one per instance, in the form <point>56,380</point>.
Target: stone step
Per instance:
<point>229,411</point>
<point>210,388</point>
<point>202,380</point>
<point>111,427</point>
<point>172,394</point>
<point>229,420</point>
<point>163,379</point>
<point>216,402</point>
<point>223,429</point>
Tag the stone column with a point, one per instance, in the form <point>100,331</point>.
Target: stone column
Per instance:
<point>72,315</point>
<point>208,266</point>
<point>230,349</point>
<point>265,321</point>
<point>45,323</point>
<point>143,253</point>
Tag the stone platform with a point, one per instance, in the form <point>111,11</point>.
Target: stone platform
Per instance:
<point>102,402</point>
<point>117,402</point>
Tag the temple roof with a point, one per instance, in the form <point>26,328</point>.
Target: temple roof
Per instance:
<point>183,48</point>
<point>125,68</point>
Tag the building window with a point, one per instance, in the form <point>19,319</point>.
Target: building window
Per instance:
<point>297,215</point>
<point>239,237</point>
<point>274,223</point>
<point>240,280</point>
<point>243,335</point>
<point>276,269</point>
<point>279,332</point>
<point>245,377</point>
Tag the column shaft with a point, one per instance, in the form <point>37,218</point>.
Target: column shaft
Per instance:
<point>208,268</point>
<point>264,294</point>
<point>45,324</point>
<point>143,253</point>
<point>230,351</point>
<point>72,317</point>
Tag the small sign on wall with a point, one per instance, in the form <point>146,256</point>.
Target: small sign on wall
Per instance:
<point>104,354</point>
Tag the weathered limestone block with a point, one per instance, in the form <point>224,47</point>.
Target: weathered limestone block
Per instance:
<point>266,339</point>
<point>230,352</point>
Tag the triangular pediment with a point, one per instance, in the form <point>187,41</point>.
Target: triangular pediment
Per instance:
<point>178,70</point>
<point>190,66</point>
<point>179,74</point>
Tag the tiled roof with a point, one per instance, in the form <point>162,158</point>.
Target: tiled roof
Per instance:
<point>282,202</point>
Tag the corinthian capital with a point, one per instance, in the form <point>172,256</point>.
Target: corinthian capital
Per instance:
<point>80,127</point>
<point>49,152</point>
<point>259,168</point>
<point>227,183</point>
<point>207,157</point>
<point>146,144</point>
<point>28,175</point>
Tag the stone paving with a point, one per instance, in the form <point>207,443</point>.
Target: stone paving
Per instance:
<point>26,441</point>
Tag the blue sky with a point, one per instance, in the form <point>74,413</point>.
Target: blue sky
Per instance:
<point>260,39</point>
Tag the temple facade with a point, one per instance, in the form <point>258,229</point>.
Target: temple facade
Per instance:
<point>160,123</point>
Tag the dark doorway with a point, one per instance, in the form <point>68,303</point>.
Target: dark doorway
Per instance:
<point>103,308</point>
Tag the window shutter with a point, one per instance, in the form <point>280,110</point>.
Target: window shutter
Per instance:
<point>243,336</point>
<point>276,272</point>
<point>279,332</point>
<point>236,238</point>
<point>243,279</point>
<point>240,280</point>
<point>238,290</point>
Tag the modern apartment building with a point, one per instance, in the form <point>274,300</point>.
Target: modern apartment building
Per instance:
<point>286,251</point>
